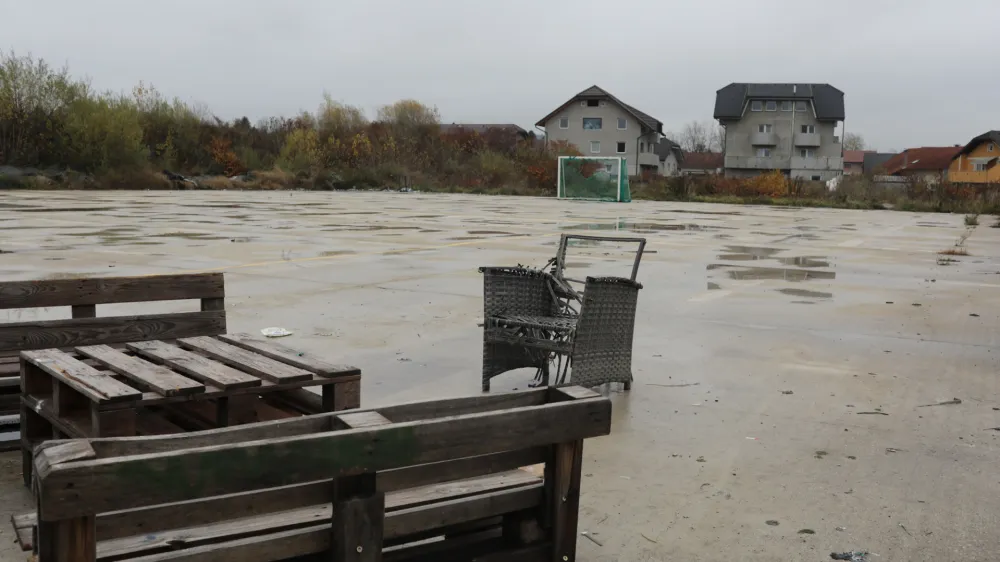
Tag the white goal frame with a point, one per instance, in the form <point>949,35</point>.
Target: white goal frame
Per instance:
<point>622,169</point>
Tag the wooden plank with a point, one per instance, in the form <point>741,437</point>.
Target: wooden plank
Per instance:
<point>24,529</point>
<point>153,423</point>
<point>194,365</point>
<point>113,423</point>
<point>104,290</point>
<point>46,334</point>
<point>156,377</point>
<point>84,311</point>
<point>314,424</point>
<point>301,359</point>
<point>98,387</point>
<point>563,495</point>
<point>67,540</point>
<point>363,419</point>
<point>73,489</point>
<point>358,520</point>
<point>411,486</point>
<point>399,523</point>
<point>268,369</point>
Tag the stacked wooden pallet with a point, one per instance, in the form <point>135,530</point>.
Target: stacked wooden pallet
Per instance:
<point>424,481</point>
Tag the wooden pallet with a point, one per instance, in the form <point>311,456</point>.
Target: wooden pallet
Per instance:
<point>155,387</point>
<point>424,481</point>
<point>81,298</point>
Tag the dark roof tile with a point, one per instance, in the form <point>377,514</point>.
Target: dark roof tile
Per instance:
<point>828,101</point>
<point>597,92</point>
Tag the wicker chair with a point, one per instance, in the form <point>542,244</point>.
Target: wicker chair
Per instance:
<point>524,327</point>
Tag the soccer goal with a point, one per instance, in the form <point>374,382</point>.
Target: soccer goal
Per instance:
<point>593,178</point>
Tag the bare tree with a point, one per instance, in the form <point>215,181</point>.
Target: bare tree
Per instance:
<point>854,141</point>
<point>717,138</point>
<point>701,136</point>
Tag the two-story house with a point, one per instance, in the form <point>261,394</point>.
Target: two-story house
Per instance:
<point>599,124</point>
<point>978,161</point>
<point>787,127</point>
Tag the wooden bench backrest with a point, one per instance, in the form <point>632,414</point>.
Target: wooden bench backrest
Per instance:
<point>86,328</point>
<point>263,468</point>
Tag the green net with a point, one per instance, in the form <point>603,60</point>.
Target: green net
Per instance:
<point>599,179</point>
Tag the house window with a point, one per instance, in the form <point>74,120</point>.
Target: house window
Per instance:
<point>989,147</point>
<point>593,103</point>
<point>764,128</point>
<point>592,123</point>
<point>980,167</point>
<point>595,147</point>
<point>801,106</point>
<point>807,153</point>
<point>817,178</point>
<point>622,123</point>
<point>757,106</point>
<point>642,147</point>
<point>620,148</point>
<point>564,122</point>
<point>771,106</point>
<point>786,106</point>
<point>763,152</point>
<point>809,129</point>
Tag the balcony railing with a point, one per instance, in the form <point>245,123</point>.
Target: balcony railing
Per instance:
<point>764,139</point>
<point>818,163</point>
<point>758,162</point>
<point>807,139</point>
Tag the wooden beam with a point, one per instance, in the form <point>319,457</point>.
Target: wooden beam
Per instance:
<point>193,365</point>
<point>80,488</point>
<point>305,425</point>
<point>278,352</point>
<point>46,334</point>
<point>98,387</point>
<point>156,377</point>
<point>563,495</point>
<point>244,360</point>
<point>105,290</point>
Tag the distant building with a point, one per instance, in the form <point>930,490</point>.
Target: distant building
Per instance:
<point>854,161</point>
<point>927,163</point>
<point>874,161</point>
<point>977,162</point>
<point>670,154</point>
<point>702,163</point>
<point>599,124</point>
<point>787,127</point>
<point>498,136</point>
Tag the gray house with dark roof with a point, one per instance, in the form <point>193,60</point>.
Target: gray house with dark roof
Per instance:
<point>599,124</point>
<point>795,128</point>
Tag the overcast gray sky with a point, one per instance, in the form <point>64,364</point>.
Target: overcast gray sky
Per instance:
<point>915,72</point>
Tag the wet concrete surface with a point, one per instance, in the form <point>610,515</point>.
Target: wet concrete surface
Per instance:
<point>708,446</point>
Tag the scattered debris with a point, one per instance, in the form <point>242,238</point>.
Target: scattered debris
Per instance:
<point>772,522</point>
<point>974,315</point>
<point>787,392</point>
<point>592,539</point>
<point>625,477</point>
<point>648,539</point>
<point>275,332</point>
<point>852,457</point>
<point>951,402</point>
<point>992,428</point>
<point>820,454</point>
<point>893,450</point>
<point>853,556</point>
<point>806,532</point>
<point>841,529</point>
<point>700,459</point>
<point>904,529</point>
<point>889,302</point>
<point>872,413</point>
<point>673,385</point>
<point>404,359</point>
<point>754,438</point>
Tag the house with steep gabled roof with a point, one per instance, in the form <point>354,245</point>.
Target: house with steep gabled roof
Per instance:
<point>978,161</point>
<point>599,124</point>
<point>926,163</point>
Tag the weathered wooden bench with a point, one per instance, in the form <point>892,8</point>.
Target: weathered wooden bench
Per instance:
<point>433,480</point>
<point>85,328</point>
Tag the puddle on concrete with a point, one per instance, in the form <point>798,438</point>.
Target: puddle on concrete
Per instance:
<point>805,261</point>
<point>794,236</point>
<point>803,302</point>
<point>366,227</point>
<point>331,253</point>
<point>430,230</point>
<point>748,253</point>
<point>704,212</point>
<point>488,232</point>
<point>465,238</point>
<point>65,209</point>
<point>642,227</point>
<point>423,217</point>
<point>806,294</point>
<point>189,236</point>
<point>742,273</point>
<point>110,232</point>
<point>713,286</point>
